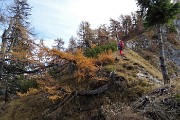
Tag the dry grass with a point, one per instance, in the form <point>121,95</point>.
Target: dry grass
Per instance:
<point>135,58</point>
<point>176,82</point>
<point>119,111</point>
<point>28,108</point>
<point>172,39</point>
<point>129,67</point>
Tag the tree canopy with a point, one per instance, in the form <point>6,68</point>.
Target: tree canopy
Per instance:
<point>158,11</point>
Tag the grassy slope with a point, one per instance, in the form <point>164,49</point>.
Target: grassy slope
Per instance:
<point>34,106</point>
<point>146,46</point>
<point>27,108</point>
<point>131,66</point>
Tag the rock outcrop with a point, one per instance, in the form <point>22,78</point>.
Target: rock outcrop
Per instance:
<point>146,45</point>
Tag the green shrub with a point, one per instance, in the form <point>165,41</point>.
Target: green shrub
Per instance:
<point>21,84</point>
<point>172,29</point>
<point>177,97</point>
<point>55,72</point>
<point>94,52</point>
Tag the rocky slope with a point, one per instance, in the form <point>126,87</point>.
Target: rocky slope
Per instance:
<point>146,45</point>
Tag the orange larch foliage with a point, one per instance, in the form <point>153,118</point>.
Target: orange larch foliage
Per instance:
<point>85,66</point>
<point>61,55</point>
<point>29,92</point>
<point>105,58</point>
<point>50,87</point>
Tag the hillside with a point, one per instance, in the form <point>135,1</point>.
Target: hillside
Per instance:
<point>134,77</point>
<point>146,46</point>
<point>85,78</point>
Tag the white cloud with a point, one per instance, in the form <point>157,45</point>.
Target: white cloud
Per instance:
<point>99,11</point>
<point>60,18</point>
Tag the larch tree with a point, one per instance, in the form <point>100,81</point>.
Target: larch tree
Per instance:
<point>114,28</point>
<point>16,43</point>
<point>19,32</point>
<point>85,35</point>
<point>72,46</point>
<point>158,13</point>
<point>103,34</point>
<point>59,44</point>
<point>2,13</point>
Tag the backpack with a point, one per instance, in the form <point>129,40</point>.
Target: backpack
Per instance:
<point>119,46</point>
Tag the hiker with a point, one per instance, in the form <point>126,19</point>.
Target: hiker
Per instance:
<point>120,47</point>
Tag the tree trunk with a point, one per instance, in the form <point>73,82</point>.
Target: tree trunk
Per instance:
<point>6,93</point>
<point>1,69</point>
<point>2,53</point>
<point>162,58</point>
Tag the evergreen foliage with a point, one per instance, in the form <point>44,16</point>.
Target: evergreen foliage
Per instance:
<point>162,12</point>
<point>23,84</point>
<point>94,52</point>
<point>158,11</point>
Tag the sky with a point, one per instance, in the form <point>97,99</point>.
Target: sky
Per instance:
<point>52,19</point>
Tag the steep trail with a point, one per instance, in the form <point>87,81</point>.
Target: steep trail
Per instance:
<point>136,66</point>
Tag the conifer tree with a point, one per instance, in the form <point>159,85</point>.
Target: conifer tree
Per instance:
<point>59,44</point>
<point>158,13</point>
<point>103,34</point>
<point>72,47</point>
<point>85,35</point>
<point>16,42</point>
